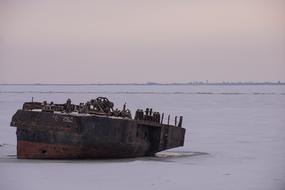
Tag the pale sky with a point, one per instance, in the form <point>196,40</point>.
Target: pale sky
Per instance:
<point>111,41</point>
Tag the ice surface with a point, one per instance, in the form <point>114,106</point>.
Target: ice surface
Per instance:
<point>235,139</point>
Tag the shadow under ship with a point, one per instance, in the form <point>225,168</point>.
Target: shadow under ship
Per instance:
<point>92,130</point>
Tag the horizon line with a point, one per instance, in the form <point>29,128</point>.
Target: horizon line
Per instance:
<point>158,83</point>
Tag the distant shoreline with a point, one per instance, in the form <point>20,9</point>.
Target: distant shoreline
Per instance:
<point>158,84</point>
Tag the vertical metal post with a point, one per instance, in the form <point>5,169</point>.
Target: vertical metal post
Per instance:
<point>162,116</point>
<point>180,121</point>
<point>146,111</point>
<point>175,121</point>
<point>168,119</point>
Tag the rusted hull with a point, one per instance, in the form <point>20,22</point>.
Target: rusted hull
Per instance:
<point>44,135</point>
<point>35,150</point>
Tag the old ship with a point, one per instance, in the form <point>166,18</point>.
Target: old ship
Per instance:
<point>92,130</point>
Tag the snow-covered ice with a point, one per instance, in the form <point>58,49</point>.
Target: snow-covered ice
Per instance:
<point>235,139</point>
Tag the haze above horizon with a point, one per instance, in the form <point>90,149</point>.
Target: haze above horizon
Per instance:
<point>85,42</point>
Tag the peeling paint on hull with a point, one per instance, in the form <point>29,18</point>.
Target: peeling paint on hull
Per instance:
<point>34,150</point>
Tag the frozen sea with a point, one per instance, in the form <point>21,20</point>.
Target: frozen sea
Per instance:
<point>235,140</point>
